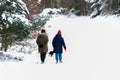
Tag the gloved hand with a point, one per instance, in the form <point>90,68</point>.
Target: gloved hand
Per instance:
<point>65,49</point>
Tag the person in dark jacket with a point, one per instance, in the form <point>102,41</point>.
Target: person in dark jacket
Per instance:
<point>58,45</point>
<point>42,42</point>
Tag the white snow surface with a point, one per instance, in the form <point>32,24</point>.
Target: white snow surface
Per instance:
<point>93,52</point>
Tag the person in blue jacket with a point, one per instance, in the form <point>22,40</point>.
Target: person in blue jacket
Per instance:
<point>58,45</point>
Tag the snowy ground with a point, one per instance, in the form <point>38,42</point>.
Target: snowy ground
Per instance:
<point>93,52</point>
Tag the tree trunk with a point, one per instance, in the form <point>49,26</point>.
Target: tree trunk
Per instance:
<point>4,43</point>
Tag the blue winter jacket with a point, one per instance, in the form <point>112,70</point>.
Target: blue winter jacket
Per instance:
<point>58,43</point>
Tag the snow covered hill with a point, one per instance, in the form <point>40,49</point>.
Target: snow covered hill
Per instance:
<point>93,52</point>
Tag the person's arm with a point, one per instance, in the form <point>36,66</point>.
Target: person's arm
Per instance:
<point>63,43</point>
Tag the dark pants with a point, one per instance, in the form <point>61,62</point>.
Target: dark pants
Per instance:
<point>43,56</point>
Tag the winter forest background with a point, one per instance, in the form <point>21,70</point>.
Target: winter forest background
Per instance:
<point>90,28</point>
<point>19,18</point>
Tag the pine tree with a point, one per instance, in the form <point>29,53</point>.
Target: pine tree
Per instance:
<point>114,6</point>
<point>98,7</point>
<point>13,23</point>
<point>103,7</point>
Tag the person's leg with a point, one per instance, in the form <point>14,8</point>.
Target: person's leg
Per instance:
<point>60,57</point>
<point>56,57</point>
<point>42,57</point>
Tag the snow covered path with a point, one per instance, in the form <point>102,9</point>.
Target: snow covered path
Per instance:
<point>93,52</point>
<point>93,47</point>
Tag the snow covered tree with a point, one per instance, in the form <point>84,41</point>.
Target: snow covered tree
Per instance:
<point>114,6</point>
<point>98,7</point>
<point>103,7</point>
<point>13,23</point>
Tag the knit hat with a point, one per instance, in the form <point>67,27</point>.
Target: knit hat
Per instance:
<point>43,31</point>
<point>59,32</point>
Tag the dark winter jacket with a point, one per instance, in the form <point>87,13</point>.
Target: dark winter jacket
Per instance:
<point>58,44</point>
<point>42,41</point>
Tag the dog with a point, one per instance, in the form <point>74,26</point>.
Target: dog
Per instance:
<point>51,53</point>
